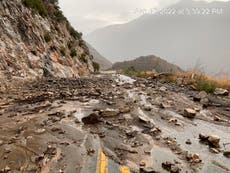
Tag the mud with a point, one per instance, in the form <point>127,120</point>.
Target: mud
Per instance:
<point>140,125</point>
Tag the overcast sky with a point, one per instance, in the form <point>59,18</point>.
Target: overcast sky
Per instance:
<point>88,15</point>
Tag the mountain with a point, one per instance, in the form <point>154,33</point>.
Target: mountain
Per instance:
<point>148,63</point>
<point>98,58</point>
<point>37,40</point>
<point>184,39</point>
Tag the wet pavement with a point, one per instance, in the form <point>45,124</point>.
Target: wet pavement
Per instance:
<point>108,123</point>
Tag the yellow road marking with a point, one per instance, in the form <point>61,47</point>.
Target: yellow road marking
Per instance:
<point>124,169</point>
<point>101,163</point>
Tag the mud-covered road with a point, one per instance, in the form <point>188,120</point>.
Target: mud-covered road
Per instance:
<point>111,123</point>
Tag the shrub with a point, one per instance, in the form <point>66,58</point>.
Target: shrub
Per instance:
<point>36,5</point>
<point>73,53</point>
<point>62,51</point>
<point>47,37</point>
<point>73,32</point>
<point>204,84</point>
<point>96,66</point>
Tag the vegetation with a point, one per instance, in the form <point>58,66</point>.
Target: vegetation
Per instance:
<point>73,53</point>
<point>36,6</point>
<point>83,58</point>
<point>73,32</point>
<point>199,80</point>
<point>47,37</point>
<point>62,50</point>
<point>96,66</point>
<point>131,71</point>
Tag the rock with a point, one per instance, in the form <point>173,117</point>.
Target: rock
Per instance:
<point>227,154</point>
<point>171,167</point>
<point>164,105</point>
<point>179,81</point>
<point>1,142</point>
<point>163,89</point>
<point>201,95</point>
<point>147,108</point>
<point>204,102</point>
<point>109,113</point>
<point>193,158</point>
<point>91,119</point>
<point>214,150</point>
<point>188,142</point>
<point>189,113</point>
<point>142,163</point>
<point>203,137</point>
<point>6,169</point>
<point>221,92</point>
<point>217,118</point>
<point>40,131</point>
<point>147,170</point>
<point>124,110</point>
<point>214,140</point>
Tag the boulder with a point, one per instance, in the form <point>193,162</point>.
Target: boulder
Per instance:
<point>109,113</point>
<point>214,140</point>
<point>189,113</point>
<point>221,92</point>
<point>201,95</point>
<point>91,119</point>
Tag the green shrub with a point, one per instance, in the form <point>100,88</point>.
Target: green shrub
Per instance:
<point>202,83</point>
<point>62,50</point>
<point>47,37</point>
<point>205,85</point>
<point>96,66</point>
<point>36,5</point>
<point>73,53</point>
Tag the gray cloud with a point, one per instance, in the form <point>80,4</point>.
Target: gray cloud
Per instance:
<point>89,15</point>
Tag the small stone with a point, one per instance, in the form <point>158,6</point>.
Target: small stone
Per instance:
<point>147,170</point>
<point>221,92</point>
<point>173,120</point>
<point>142,163</point>
<point>216,118</point>
<point>179,81</point>
<point>124,110</point>
<point>188,142</point>
<point>204,102</point>
<point>1,142</point>
<point>227,154</point>
<point>164,105</point>
<point>147,108</point>
<point>214,150</point>
<point>189,113</point>
<point>163,89</point>
<point>40,131</point>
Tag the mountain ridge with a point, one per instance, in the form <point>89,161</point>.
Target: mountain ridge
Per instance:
<point>181,39</point>
<point>148,63</point>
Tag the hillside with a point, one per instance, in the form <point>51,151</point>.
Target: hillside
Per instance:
<point>180,39</point>
<point>148,63</point>
<point>37,40</point>
<point>98,58</point>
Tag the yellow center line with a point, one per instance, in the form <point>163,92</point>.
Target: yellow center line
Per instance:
<point>124,169</point>
<point>101,163</point>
